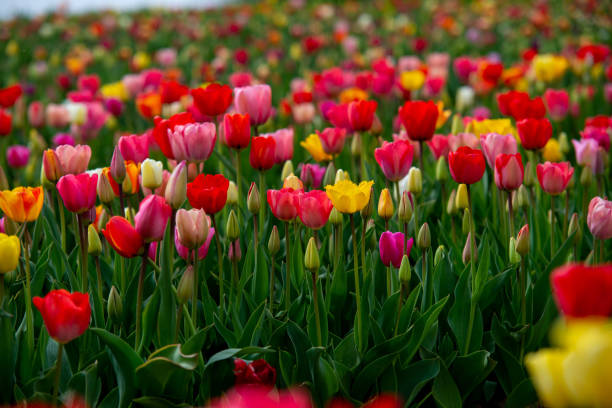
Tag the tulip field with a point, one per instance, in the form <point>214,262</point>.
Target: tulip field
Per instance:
<point>308,204</point>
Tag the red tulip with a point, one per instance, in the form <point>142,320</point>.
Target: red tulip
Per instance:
<point>314,208</point>
<point>509,171</point>
<point>332,140</point>
<point>259,372</point>
<point>162,126</point>
<point>419,119</point>
<point>123,237</point>
<point>466,165</point>
<point>534,133</point>
<point>395,159</point>
<point>78,192</point>
<point>6,122</point>
<point>152,217</point>
<point>213,100</point>
<point>557,102</point>
<point>338,116</point>
<point>172,91</point>
<point>361,114</point>
<point>263,150</point>
<point>582,290</point>
<point>554,177</point>
<point>237,130</point>
<point>527,108</point>
<point>208,192</point>
<point>504,100</point>
<point>284,203</point>
<point>9,95</point>
<point>66,315</point>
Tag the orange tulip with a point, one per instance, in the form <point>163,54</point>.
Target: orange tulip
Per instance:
<point>22,204</point>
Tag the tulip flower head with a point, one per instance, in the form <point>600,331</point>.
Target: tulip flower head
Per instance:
<point>494,144</point>
<point>212,100</point>
<point>534,133</point>
<point>466,165</point>
<point>192,227</point>
<point>152,217</point>
<point>78,192</point>
<point>554,177</point>
<point>66,315</point>
<point>236,130</point>
<point>10,249</point>
<point>582,290</point>
<point>123,237</point>
<point>193,142</point>
<point>509,171</point>
<point>419,119</point>
<point>348,197</point>
<point>263,153</point>
<point>599,218</point>
<point>314,208</point>
<point>73,159</point>
<point>284,203</point>
<point>392,247</point>
<point>186,253</point>
<point>22,204</point>
<point>332,140</point>
<point>256,100</point>
<point>361,114</point>
<point>395,159</point>
<point>17,156</point>
<point>208,192</point>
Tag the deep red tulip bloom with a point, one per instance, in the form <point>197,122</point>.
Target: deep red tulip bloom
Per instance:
<point>123,237</point>
<point>284,203</point>
<point>509,171</point>
<point>152,217</point>
<point>6,122</point>
<point>263,153</point>
<point>332,140</point>
<point>504,100</point>
<point>78,192</point>
<point>419,119</point>
<point>208,192</point>
<point>466,165</point>
<point>524,108</point>
<point>338,116</point>
<point>534,133</point>
<point>66,315</point>
<point>557,102</point>
<point>599,121</point>
<point>384,401</point>
<point>172,91</point>
<point>554,177</point>
<point>162,126</point>
<point>361,114</point>
<point>237,130</point>
<point>259,372</point>
<point>314,208</point>
<point>395,159</point>
<point>9,95</point>
<point>582,290</point>
<point>213,100</point>
<point>393,247</point>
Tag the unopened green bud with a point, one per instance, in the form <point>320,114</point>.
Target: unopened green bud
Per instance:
<point>405,271</point>
<point>441,169</point>
<point>311,258</point>
<point>274,241</point>
<point>129,214</point>
<point>330,175</point>
<point>415,181</point>
<point>457,124</point>
<point>184,291</point>
<point>439,254</point>
<point>93,239</point>
<point>574,227</point>
<point>523,197</point>
<point>513,256</point>
<point>424,237</point>
<point>10,226</point>
<point>467,250</point>
<point>253,202</point>
<point>356,145</point>
<point>287,170</point>
<point>404,211</point>
<point>451,207</point>
<point>465,226</point>
<point>232,193</point>
<point>586,176</point>
<point>115,305</point>
<point>232,228</point>
<point>366,212</point>
<point>564,145</point>
<point>335,217</point>
<point>522,241</point>
<point>462,198</point>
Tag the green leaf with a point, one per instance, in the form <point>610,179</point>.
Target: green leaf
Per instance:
<point>252,327</point>
<point>7,358</point>
<point>420,329</point>
<point>458,316</point>
<point>445,391</point>
<point>522,396</point>
<point>167,305</point>
<point>236,352</point>
<point>482,272</point>
<point>414,377</point>
<point>369,374</point>
<point>471,370</point>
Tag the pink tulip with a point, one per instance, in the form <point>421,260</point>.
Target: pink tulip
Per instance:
<point>462,139</point>
<point>509,171</point>
<point>256,100</point>
<point>587,153</point>
<point>393,247</point>
<point>554,177</point>
<point>133,83</point>
<point>90,83</point>
<point>78,192</point>
<point>234,252</point>
<point>134,147</point>
<point>114,106</point>
<point>57,116</point>
<point>152,217</point>
<point>599,218</point>
<point>312,175</point>
<point>184,252</point>
<point>303,113</point>
<point>17,156</point>
<point>395,159</point>
<point>284,144</point>
<point>600,134</point>
<point>314,208</point>
<point>608,92</point>
<point>73,159</point>
<point>438,145</point>
<point>463,67</point>
<point>557,102</point>
<point>36,114</point>
<point>494,144</point>
<point>192,227</point>
<point>63,139</point>
<point>166,57</point>
<point>193,142</point>
<point>332,140</point>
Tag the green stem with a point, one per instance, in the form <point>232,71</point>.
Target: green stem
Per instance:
<point>399,308</point>
<point>60,209</point>
<point>28,291</point>
<point>389,280</point>
<point>421,156</point>
<point>510,216</point>
<point>219,261</point>
<point>315,299</point>
<point>357,290</point>
<point>363,251</point>
<point>523,306</point>
<point>362,157</point>
<point>143,268</point>
<point>179,316</point>
<point>271,283</point>
<point>123,276</point>
<point>287,268</point>
<point>238,179</point>
<point>262,204</point>
<point>83,244</point>
<point>552,226</point>
<point>472,265</point>
<point>1,289</point>
<point>58,373</point>
<point>196,286</point>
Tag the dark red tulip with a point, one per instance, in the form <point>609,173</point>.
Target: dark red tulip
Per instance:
<point>208,192</point>
<point>172,91</point>
<point>361,114</point>
<point>263,149</point>
<point>9,95</point>
<point>582,290</point>
<point>259,372</point>
<point>466,165</point>
<point>237,130</point>
<point>213,100</point>
<point>534,133</point>
<point>419,119</point>
<point>66,315</point>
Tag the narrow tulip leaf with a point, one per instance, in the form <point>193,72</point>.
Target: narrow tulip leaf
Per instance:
<point>7,358</point>
<point>482,272</point>
<point>445,391</point>
<point>236,352</point>
<point>458,316</point>
<point>523,395</point>
<point>368,376</point>
<point>261,276</point>
<point>471,370</point>
<point>252,327</point>
<point>346,352</point>
<point>167,305</point>
<point>414,377</point>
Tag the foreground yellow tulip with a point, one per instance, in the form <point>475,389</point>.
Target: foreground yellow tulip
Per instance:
<point>313,145</point>
<point>22,204</point>
<point>10,248</point>
<point>348,197</point>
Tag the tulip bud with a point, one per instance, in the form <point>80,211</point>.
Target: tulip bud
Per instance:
<point>574,227</point>
<point>424,237</point>
<point>530,178</point>
<point>274,241</point>
<point>176,189</point>
<point>371,243</point>
<point>117,167</point>
<point>184,291</point>
<point>457,124</point>
<point>115,306</point>
<point>232,193</point>
<point>51,166</point>
<point>441,169</point>
<point>439,254</point>
<point>404,211</point>
<point>330,174</point>
<point>3,180</point>
<point>513,256</point>
<point>451,207</point>
<point>586,176</point>
<point>522,241</point>
<point>356,145</point>
<point>465,225</point>
<point>467,250</point>
<point>253,203</point>
<point>335,217</point>
<point>462,198</point>
<point>10,226</point>
<point>234,252</point>
<point>341,175</point>
<point>232,229</point>
<point>523,197</point>
<point>93,240</point>
<point>311,258</point>
<point>564,145</point>
<point>292,181</point>
<point>415,181</point>
<point>385,205</point>
<point>287,170</point>
<point>366,212</point>
<point>104,189</point>
<point>126,186</point>
<point>404,270</point>
<point>102,219</point>
<point>151,172</point>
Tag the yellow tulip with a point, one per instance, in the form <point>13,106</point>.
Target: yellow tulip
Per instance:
<point>114,90</point>
<point>385,205</point>
<point>22,204</point>
<point>352,94</point>
<point>549,67</point>
<point>10,248</point>
<point>412,80</point>
<point>501,126</point>
<point>552,151</point>
<point>348,197</point>
<point>546,370</point>
<point>313,145</point>
<point>443,115</point>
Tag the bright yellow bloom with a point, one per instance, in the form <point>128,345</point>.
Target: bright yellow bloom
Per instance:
<point>501,126</point>
<point>546,370</point>
<point>443,115</point>
<point>313,145</point>
<point>141,60</point>
<point>130,184</point>
<point>412,80</point>
<point>348,197</point>
<point>549,67</point>
<point>292,181</point>
<point>353,94</point>
<point>552,151</point>
<point>385,205</point>
<point>10,248</point>
<point>114,90</point>
<point>22,204</point>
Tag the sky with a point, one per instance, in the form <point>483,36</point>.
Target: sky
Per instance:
<point>10,8</point>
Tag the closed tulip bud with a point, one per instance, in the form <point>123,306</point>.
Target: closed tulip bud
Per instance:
<point>105,191</point>
<point>366,212</point>
<point>47,185</point>
<point>372,243</point>
<point>341,175</point>
<point>564,145</point>
<point>441,169</point>
<point>232,193</point>
<point>330,175</point>
<point>415,181</point>
<point>522,241</point>
<point>451,206</point>
<point>405,271</point>
<point>176,189</point>
<point>405,209</point>
<point>356,145</point>
<point>10,226</point>
<point>117,167</point>
<point>335,217</point>
<point>129,214</point>
<point>311,258</point>
<point>126,186</point>
<point>3,180</point>
<point>529,179</point>
<point>462,198</point>
<point>292,181</point>
<point>234,253</point>
<point>439,254</point>
<point>232,228</point>
<point>385,205</point>
<point>574,227</point>
<point>457,124</point>
<point>465,226</point>
<point>115,306</point>
<point>52,169</point>
<point>513,256</point>
<point>287,170</point>
<point>192,227</point>
<point>93,241</point>
<point>184,291</point>
<point>424,237</point>
<point>466,256</point>
<point>586,176</point>
<point>102,219</point>
<point>523,197</point>
<point>274,241</point>
<point>253,201</point>
<point>151,171</point>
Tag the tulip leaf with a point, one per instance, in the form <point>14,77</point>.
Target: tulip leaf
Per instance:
<point>7,358</point>
<point>236,352</point>
<point>367,376</point>
<point>414,377</point>
<point>471,370</point>
<point>445,391</point>
<point>261,275</point>
<point>522,396</point>
<point>458,316</point>
<point>167,304</point>
<point>252,327</point>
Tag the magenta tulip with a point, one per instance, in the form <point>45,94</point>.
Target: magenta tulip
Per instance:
<point>314,208</point>
<point>78,191</point>
<point>395,159</point>
<point>152,217</point>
